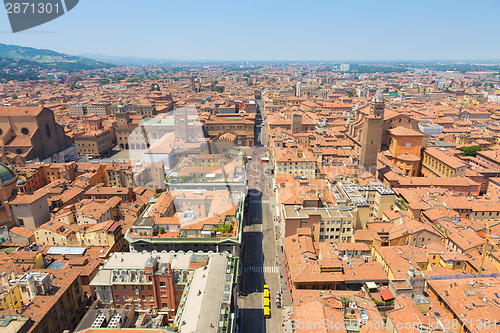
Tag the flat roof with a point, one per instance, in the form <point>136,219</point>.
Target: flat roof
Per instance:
<point>13,323</point>
<point>69,250</point>
<point>292,211</point>
<point>137,261</point>
<point>201,312</point>
<point>144,222</point>
<point>56,265</point>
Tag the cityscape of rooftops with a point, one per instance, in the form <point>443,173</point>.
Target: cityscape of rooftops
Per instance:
<point>249,167</point>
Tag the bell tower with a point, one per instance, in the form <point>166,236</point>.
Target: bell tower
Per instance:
<point>371,136</point>
<point>377,105</point>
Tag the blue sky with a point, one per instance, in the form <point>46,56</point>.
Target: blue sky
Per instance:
<point>272,29</point>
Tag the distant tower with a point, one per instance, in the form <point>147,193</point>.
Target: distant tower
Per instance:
<point>121,107</point>
<point>378,105</point>
<point>296,123</point>
<point>371,136</point>
<point>440,83</point>
<point>193,85</point>
<point>298,87</point>
<point>181,123</point>
<point>344,67</point>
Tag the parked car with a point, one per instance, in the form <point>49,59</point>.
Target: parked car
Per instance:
<point>278,299</point>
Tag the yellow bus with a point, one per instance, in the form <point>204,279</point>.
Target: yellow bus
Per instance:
<point>266,302</point>
<point>267,312</point>
<point>266,293</point>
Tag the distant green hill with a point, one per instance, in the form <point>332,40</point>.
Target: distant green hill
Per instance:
<point>50,58</point>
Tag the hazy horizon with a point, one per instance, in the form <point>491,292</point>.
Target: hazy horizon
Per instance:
<point>272,31</point>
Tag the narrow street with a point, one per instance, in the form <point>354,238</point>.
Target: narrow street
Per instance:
<point>262,259</point>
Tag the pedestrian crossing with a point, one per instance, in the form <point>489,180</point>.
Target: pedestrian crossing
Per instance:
<point>262,269</point>
<point>259,201</point>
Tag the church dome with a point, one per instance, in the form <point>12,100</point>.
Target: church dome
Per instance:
<point>6,173</point>
<point>20,182</point>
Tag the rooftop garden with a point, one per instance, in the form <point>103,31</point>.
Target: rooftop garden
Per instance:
<point>402,204</point>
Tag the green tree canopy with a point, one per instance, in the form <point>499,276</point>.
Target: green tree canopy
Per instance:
<point>470,150</point>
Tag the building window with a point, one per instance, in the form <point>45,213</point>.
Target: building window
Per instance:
<point>117,298</point>
<point>162,284</point>
<point>25,131</point>
<point>47,130</point>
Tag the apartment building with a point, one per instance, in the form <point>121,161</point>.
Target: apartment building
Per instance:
<point>493,189</point>
<point>295,162</point>
<point>106,193</point>
<point>77,109</point>
<point>148,110</point>
<point>201,221</point>
<point>30,210</point>
<point>119,174</point>
<point>53,299</point>
<point>94,143</point>
<point>99,108</point>
<point>240,125</point>
<point>161,281</point>
<point>459,185</point>
<point>471,303</point>
<point>10,295</point>
<point>437,163</point>
<point>490,157</point>
<point>53,233</point>
<point>318,266</point>
<point>370,200</point>
<point>397,260</point>
<point>326,224</point>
